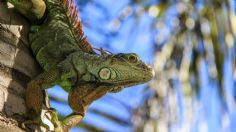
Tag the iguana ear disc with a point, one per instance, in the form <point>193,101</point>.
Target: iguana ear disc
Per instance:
<point>105,73</point>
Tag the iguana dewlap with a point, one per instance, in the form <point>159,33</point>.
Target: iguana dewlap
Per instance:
<point>68,60</point>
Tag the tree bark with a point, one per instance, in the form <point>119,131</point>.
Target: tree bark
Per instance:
<point>17,66</point>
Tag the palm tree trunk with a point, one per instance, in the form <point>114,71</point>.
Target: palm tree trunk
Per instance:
<point>17,66</point>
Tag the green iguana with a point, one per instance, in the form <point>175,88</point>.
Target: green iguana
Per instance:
<point>69,60</point>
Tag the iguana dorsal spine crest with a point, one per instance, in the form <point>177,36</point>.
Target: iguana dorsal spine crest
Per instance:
<point>72,13</point>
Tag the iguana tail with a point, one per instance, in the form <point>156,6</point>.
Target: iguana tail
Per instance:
<point>32,9</point>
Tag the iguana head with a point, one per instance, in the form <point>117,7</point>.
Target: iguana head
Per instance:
<point>120,70</point>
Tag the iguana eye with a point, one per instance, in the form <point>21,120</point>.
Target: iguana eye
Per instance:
<point>105,73</point>
<point>133,58</point>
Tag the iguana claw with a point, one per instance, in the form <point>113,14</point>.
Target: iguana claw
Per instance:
<point>25,120</point>
<point>58,126</point>
<point>35,122</point>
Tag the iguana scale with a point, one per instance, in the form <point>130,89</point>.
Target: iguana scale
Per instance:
<point>68,60</point>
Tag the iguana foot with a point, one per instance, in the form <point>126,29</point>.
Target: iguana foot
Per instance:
<point>58,125</point>
<point>37,122</point>
<point>28,124</point>
<point>66,124</point>
<point>25,120</point>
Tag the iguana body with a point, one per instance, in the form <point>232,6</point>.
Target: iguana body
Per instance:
<point>68,60</point>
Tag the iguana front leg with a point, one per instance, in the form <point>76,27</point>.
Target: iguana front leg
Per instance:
<point>79,100</point>
<point>32,9</point>
<point>35,95</point>
<point>34,92</point>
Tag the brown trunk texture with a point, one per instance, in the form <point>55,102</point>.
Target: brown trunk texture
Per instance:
<point>17,67</point>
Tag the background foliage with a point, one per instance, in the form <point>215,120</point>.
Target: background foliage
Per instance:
<point>191,46</point>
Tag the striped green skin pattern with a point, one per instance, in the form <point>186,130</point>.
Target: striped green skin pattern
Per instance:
<point>54,40</point>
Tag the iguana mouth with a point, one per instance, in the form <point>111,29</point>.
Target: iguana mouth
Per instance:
<point>127,82</point>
